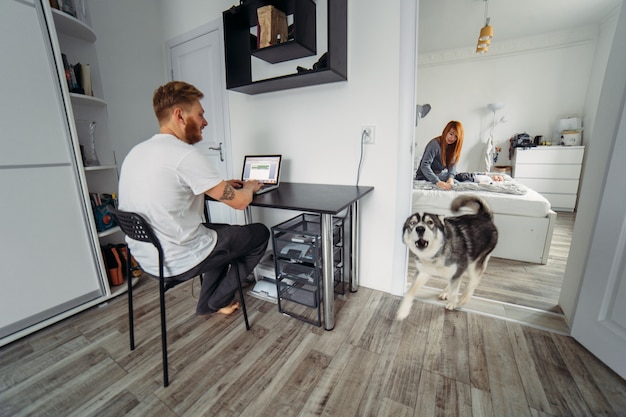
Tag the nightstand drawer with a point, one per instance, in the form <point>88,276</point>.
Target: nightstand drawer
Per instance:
<point>550,155</point>
<point>546,171</point>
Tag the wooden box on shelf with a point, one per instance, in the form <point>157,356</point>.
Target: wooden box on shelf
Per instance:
<point>272,26</point>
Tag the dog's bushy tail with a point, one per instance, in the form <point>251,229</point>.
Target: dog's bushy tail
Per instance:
<point>471,200</point>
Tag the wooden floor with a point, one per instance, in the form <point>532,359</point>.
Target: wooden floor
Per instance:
<point>520,291</point>
<point>435,363</point>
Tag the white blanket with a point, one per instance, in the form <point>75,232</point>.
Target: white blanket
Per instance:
<point>507,197</point>
<point>501,187</point>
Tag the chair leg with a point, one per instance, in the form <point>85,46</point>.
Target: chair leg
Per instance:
<point>131,325</point>
<point>243,301</point>
<point>166,380</point>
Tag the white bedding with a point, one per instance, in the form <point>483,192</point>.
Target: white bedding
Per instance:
<point>529,204</point>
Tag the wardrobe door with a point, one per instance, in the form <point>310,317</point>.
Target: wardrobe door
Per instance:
<point>48,256</point>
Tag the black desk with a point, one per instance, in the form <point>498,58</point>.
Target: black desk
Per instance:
<point>326,200</point>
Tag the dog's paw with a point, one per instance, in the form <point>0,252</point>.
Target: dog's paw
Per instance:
<point>464,299</point>
<point>404,310</point>
<point>443,295</point>
<point>451,306</point>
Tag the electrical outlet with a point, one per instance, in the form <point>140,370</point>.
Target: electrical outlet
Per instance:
<point>368,134</point>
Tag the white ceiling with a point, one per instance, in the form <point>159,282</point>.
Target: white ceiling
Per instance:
<point>452,24</point>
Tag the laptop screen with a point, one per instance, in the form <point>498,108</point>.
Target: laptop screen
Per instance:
<point>264,168</point>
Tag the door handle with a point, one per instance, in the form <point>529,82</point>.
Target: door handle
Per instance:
<point>219,148</point>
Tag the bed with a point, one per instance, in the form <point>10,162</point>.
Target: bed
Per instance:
<point>524,218</point>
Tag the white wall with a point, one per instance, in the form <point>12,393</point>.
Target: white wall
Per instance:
<point>602,49</point>
<point>609,109</point>
<point>317,128</point>
<point>132,64</point>
<point>539,80</point>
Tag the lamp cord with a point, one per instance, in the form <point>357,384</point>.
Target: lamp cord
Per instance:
<point>486,12</point>
<point>358,172</point>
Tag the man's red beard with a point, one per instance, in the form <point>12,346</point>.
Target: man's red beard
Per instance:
<point>193,133</point>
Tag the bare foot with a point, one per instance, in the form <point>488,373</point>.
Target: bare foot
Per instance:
<point>230,309</point>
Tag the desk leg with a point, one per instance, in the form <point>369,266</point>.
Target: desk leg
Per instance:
<point>328,276</point>
<point>354,246</point>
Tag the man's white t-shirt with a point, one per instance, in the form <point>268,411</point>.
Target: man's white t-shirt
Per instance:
<point>164,180</point>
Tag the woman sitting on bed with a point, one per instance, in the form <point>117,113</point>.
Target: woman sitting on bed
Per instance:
<point>438,164</point>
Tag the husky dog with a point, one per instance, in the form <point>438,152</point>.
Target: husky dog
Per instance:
<point>449,247</point>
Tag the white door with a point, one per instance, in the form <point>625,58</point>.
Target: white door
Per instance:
<point>600,320</point>
<point>197,58</point>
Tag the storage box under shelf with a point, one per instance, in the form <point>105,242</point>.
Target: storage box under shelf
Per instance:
<point>298,261</point>
<point>297,271</point>
<point>299,292</point>
<point>265,276</point>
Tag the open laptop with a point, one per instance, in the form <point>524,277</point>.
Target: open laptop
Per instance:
<point>263,168</point>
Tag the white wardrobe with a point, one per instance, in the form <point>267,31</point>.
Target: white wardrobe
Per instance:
<point>50,262</point>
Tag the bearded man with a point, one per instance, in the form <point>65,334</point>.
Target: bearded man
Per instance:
<point>165,180</point>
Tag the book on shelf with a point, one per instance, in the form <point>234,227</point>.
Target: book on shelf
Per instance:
<point>102,199</point>
<point>74,85</point>
<point>67,68</point>
<point>74,8</point>
<point>101,203</point>
<point>78,77</point>
<point>67,6</point>
<point>86,79</point>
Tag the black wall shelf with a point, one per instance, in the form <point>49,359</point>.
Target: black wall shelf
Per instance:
<point>240,45</point>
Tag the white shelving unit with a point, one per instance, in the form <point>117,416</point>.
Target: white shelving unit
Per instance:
<point>77,42</point>
<point>53,267</point>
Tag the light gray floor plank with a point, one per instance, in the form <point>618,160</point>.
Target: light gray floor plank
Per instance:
<point>435,362</point>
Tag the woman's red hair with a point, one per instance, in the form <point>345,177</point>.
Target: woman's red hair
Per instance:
<point>448,158</point>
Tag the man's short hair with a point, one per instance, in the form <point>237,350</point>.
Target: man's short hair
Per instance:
<point>174,93</point>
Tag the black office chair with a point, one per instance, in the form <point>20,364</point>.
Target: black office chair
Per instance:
<point>135,227</point>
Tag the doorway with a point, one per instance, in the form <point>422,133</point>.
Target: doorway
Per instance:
<point>518,291</point>
<point>534,286</point>
<point>197,57</point>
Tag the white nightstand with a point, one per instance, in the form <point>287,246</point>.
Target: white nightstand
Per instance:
<point>552,171</point>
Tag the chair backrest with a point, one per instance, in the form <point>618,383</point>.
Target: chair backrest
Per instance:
<point>136,227</point>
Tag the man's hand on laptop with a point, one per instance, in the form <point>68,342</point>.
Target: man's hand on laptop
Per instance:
<point>236,184</point>
<point>253,185</point>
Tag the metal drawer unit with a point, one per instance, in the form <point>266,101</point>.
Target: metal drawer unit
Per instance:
<point>298,263</point>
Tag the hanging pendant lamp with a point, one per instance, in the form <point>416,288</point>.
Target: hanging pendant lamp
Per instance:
<point>486,33</point>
